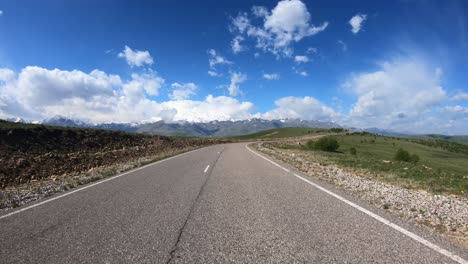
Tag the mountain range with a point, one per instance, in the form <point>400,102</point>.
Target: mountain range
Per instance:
<point>208,129</point>
<point>225,128</point>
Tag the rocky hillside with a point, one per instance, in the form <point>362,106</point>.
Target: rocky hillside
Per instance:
<point>35,152</point>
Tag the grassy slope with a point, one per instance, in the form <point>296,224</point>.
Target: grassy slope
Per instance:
<point>456,139</point>
<point>438,170</point>
<point>283,133</point>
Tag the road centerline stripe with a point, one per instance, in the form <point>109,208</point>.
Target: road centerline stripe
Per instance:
<point>95,183</point>
<point>398,228</point>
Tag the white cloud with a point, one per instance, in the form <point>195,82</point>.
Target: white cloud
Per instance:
<point>271,76</point>
<point>214,74</point>
<point>182,91</point>
<point>307,108</point>
<point>149,82</point>
<point>236,45</point>
<point>260,11</point>
<point>236,79</point>
<point>311,50</point>
<point>460,96</point>
<point>301,59</point>
<point>241,23</point>
<point>216,59</point>
<point>212,108</point>
<point>343,45</point>
<point>6,75</point>
<point>396,94</point>
<point>456,109</point>
<point>287,23</point>
<point>38,93</point>
<point>136,57</point>
<point>356,22</point>
<point>290,20</point>
<point>303,73</point>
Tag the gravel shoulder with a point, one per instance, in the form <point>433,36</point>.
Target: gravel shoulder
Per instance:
<point>22,194</point>
<point>446,214</point>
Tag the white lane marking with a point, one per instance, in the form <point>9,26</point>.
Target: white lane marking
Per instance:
<point>400,229</point>
<point>206,169</point>
<point>94,184</point>
<point>283,168</point>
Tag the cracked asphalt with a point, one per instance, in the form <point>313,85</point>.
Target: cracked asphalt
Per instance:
<point>243,209</point>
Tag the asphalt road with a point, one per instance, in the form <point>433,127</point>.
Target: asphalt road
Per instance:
<point>240,209</point>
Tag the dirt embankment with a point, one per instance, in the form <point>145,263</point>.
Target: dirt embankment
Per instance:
<point>33,154</point>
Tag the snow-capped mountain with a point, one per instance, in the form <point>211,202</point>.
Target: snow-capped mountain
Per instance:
<point>209,129</point>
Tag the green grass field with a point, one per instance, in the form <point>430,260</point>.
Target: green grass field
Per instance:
<point>440,170</point>
<point>455,139</point>
<point>284,133</point>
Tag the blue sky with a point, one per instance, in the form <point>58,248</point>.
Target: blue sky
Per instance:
<point>395,65</point>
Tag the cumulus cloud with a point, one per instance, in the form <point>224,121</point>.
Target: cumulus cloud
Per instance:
<point>37,93</point>
<point>6,75</point>
<point>307,108</point>
<point>311,50</point>
<point>236,45</point>
<point>285,24</point>
<point>236,79</point>
<point>182,91</point>
<point>260,11</point>
<point>149,82</point>
<point>214,74</point>
<point>456,109</point>
<point>398,93</point>
<point>460,96</point>
<point>302,73</point>
<point>216,59</point>
<point>301,59</point>
<point>271,76</point>
<point>212,108</point>
<point>136,57</point>
<point>356,22</point>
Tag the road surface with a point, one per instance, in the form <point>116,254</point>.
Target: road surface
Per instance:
<point>220,204</point>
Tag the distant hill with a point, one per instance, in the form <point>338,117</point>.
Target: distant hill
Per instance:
<point>461,139</point>
<point>286,132</point>
<point>386,132</point>
<point>456,139</point>
<point>227,128</point>
<point>69,122</point>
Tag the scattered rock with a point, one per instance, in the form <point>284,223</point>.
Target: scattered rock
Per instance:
<point>442,212</point>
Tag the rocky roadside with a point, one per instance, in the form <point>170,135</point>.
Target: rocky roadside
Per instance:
<point>444,213</point>
<point>15,196</point>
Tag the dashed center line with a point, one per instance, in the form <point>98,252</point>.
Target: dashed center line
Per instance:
<point>206,169</point>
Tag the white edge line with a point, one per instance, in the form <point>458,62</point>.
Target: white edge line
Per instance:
<point>377,217</point>
<point>206,169</point>
<point>283,168</point>
<point>94,184</point>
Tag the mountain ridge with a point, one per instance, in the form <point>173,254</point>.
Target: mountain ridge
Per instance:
<point>213,128</point>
